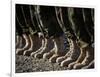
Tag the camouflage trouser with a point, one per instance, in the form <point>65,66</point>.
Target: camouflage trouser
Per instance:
<point>77,21</point>
<point>82,24</point>
<point>26,20</point>
<point>50,23</point>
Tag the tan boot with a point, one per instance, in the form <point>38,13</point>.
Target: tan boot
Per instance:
<point>38,54</point>
<point>36,43</point>
<point>59,46</point>
<point>49,54</point>
<point>27,45</point>
<point>30,49</point>
<point>87,60</point>
<point>74,55</point>
<point>20,42</point>
<point>60,59</point>
<point>47,47</point>
<point>39,48</point>
<point>82,46</point>
<point>79,60</point>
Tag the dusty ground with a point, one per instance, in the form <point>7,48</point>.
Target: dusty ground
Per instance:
<point>29,64</point>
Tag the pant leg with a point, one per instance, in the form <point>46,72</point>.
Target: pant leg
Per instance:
<point>78,25</point>
<point>67,23</point>
<point>28,18</point>
<point>33,18</point>
<point>21,18</point>
<point>89,23</point>
<point>48,17</point>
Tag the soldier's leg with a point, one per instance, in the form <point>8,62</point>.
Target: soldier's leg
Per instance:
<point>25,33</point>
<point>69,31</point>
<point>89,25</point>
<point>49,20</point>
<point>85,39</point>
<point>75,50</point>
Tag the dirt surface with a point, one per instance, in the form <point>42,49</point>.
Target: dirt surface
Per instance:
<point>29,64</point>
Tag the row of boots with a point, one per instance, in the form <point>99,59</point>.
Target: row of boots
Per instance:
<point>78,56</point>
